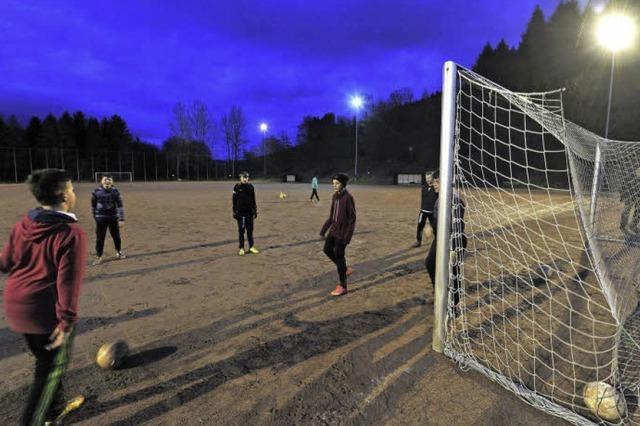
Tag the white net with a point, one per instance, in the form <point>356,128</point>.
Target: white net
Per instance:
<point>548,282</point>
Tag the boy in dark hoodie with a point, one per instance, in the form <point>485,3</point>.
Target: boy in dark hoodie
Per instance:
<point>45,258</point>
<point>245,211</point>
<point>108,212</point>
<point>341,224</point>
<point>458,242</point>
<point>429,197</point>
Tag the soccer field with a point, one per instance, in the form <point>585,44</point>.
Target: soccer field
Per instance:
<point>221,339</point>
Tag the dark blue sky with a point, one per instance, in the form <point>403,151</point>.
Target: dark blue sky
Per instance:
<point>278,59</point>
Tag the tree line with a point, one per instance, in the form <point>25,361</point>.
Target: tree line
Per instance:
<point>397,134</point>
<point>401,133</point>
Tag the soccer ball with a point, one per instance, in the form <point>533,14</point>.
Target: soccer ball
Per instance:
<point>111,355</point>
<point>604,401</point>
<point>283,195</point>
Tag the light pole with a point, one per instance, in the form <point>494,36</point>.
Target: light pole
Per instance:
<point>263,128</point>
<point>615,32</point>
<point>356,104</point>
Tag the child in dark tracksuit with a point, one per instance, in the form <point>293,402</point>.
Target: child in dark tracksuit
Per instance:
<point>45,258</point>
<point>340,224</point>
<point>457,247</point>
<point>108,212</point>
<point>429,197</point>
<point>245,211</point>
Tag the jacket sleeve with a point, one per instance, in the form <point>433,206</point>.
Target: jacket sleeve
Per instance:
<point>94,204</point>
<point>351,218</point>
<point>234,200</point>
<point>120,206</point>
<point>327,223</point>
<point>70,275</point>
<point>6,254</point>
<point>253,200</point>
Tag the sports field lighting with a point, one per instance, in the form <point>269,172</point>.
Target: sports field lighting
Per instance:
<point>356,103</point>
<point>263,128</point>
<point>615,32</point>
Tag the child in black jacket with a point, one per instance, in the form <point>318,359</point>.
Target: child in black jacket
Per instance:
<point>108,212</point>
<point>245,211</point>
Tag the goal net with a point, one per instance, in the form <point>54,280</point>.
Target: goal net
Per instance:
<point>117,176</point>
<point>548,282</point>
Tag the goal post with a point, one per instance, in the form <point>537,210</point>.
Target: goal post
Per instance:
<point>544,297</point>
<point>117,176</point>
<point>447,145</point>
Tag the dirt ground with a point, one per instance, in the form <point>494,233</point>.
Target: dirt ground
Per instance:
<point>221,339</point>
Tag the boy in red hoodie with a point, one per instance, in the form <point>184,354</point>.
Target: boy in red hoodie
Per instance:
<point>341,224</point>
<point>45,259</point>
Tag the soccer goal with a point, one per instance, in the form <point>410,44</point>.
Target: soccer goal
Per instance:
<point>547,286</point>
<point>117,176</point>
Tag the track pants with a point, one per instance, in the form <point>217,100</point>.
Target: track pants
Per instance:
<point>422,221</point>
<point>46,396</point>
<point>430,264</point>
<point>335,250</point>
<point>314,193</point>
<point>245,223</point>
<point>101,232</point>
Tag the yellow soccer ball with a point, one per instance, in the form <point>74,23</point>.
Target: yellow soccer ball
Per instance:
<point>605,401</point>
<point>111,355</point>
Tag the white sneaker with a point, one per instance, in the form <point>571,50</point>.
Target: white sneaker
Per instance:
<point>97,261</point>
<point>121,255</point>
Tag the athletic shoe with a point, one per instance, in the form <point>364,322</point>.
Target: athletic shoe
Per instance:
<point>241,252</point>
<point>254,250</point>
<point>97,261</point>
<point>417,244</point>
<point>121,255</point>
<point>349,271</point>
<point>339,291</point>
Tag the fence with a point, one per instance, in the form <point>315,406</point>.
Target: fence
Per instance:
<point>17,163</point>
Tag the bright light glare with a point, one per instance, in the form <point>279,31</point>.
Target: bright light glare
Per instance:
<point>598,8</point>
<point>616,32</point>
<point>264,127</point>
<point>357,102</point>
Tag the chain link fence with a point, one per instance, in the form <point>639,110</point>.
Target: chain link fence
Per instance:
<point>17,163</point>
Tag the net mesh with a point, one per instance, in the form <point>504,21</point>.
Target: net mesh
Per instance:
<point>548,280</point>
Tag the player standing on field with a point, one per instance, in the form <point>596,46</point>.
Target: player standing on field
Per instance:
<point>45,259</point>
<point>108,212</point>
<point>429,197</point>
<point>341,224</point>
<point>314,189</point>
<point>245,211</point>
<point>458,241</point>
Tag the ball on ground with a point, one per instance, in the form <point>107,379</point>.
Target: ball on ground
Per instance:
<point>283,195</point>
<point>605,401</point>
<point>111,355</point>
